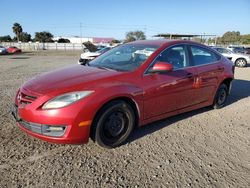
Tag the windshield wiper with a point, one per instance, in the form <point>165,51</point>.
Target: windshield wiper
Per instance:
<point>101,67</point>
<point>85,63</point>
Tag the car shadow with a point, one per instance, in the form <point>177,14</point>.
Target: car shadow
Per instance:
<point>150,128</point>
<point>240,90</point>
<point>19,57</point>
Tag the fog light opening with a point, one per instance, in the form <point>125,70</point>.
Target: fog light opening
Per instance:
<point>53,130</point>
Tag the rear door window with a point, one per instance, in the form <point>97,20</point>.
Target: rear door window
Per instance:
<point>201,56</point>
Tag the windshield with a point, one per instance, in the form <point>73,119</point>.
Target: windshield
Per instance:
<point>103,50</point>
<point>238,48</point>
<point>126,57</point>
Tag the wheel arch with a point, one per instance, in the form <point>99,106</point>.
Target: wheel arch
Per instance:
<point>133,104</point>
<point>238,58</point>
<point>227,82</point>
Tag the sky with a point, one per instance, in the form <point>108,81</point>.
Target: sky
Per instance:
<point>113,18</point>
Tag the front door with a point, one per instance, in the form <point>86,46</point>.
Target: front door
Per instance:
<point>170,91</point>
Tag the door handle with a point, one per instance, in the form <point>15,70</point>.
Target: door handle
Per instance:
<point>189,75</point>
<point>220,68</point>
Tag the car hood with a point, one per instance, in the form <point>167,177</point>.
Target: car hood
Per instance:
<point>90,54</point>
<point>73,78</point>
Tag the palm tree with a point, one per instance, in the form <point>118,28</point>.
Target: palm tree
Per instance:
<point>17,29</point>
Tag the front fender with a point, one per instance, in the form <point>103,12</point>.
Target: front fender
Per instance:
<point>117,91</point>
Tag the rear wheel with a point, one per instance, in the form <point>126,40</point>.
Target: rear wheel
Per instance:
<point>220,97</point>
<point>241,62</point>
<point>113,124</point>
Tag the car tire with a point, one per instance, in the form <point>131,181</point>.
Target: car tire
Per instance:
<point>220,97</point>
<point>113,124</point>
<point>241,62</point>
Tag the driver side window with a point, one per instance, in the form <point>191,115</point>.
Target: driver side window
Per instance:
<point>175,55</point>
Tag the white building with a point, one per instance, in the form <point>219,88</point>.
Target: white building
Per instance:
<point>79,40</point>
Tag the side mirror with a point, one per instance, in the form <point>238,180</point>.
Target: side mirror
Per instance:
<point>161,67</point>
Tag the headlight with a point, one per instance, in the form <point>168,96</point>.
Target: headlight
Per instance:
<point>65,99</point>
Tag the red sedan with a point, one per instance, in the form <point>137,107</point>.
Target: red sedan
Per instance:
<point>13,50</point>
<point>131,85</point>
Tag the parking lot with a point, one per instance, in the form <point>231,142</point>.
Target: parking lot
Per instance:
<point>201,148</point>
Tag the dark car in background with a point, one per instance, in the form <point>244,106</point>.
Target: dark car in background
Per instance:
<point>3,50</point>
<point>247,49</point>
<point>237,49</point>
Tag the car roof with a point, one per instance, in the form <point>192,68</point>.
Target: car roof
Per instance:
<point>218,47</point>
<point>163,42</point>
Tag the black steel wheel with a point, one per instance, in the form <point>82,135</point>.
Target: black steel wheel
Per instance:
<point>113,124</point>
<point>220,97</point>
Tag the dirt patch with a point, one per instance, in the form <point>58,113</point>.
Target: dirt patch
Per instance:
<point>203,148</point>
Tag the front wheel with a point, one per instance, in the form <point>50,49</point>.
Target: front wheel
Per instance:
<point>220,97</point>
<point>113,124</point>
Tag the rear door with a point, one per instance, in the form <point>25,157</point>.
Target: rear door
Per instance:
<point>208,69</point>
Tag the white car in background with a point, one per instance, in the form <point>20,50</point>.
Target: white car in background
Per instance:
<point>240,60</point>
<point>88,56</point>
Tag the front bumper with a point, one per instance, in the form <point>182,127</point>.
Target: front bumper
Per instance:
<point>65,126</point>
<point>42,129</point>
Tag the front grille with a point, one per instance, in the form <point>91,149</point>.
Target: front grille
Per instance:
<point>25,99</point>
<point>32,127</point>
<point>47,130</point>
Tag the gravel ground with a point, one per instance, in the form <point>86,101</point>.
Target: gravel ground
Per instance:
<point>203,148</point>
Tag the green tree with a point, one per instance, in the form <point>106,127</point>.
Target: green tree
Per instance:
<point>231,37</point>
<point>199,39</point>
<point>5,38</point>
<point>17,29</point>
<point>44,36</point>
<point>135,35</point>
<point>211,41</point>
<point>219,41</point>
<point>62,40</point>
<point>245,39</point>
<point>24,37</point>
<point>115,41</point>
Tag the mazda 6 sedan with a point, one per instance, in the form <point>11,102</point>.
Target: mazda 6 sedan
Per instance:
<point>128,86</point>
